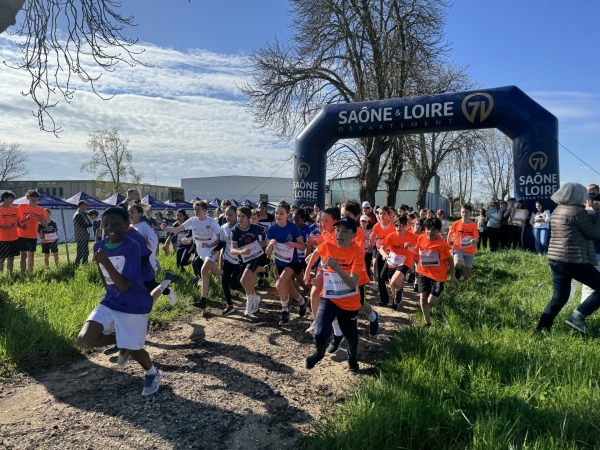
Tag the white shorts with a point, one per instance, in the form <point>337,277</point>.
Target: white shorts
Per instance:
<point>131,329</point>
<point>207,257</point>
<point>467,258</point>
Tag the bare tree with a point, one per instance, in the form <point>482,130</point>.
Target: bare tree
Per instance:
<point>496,165</point>
<point>394,169</point>
<point>13,161</point>
<point>111,162</point>
<point>345,51</point>
<point>457,174</point>
<point>93,39</point>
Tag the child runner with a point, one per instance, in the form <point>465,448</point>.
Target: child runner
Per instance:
<point>185,249</point>
<point>284,239</point>
<point>395,250</point>
<point>434,262</point>
<point>367,227</point>
<point>247,243</point>
<point>49,237</point>
<point>265,219</point>
<point>415,231</point>
<point>126,304</point>
<point>231,265</point>
<point>29,215</point>
<point>465,242</point>
<point>9,239</point>
<point>206,234</point>
<point>380,230</point>
<point>343,263</point>
<point>300,219</point>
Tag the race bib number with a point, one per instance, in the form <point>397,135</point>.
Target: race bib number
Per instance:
<point>334,287</point>
<point>50,237</point>
<point>118,262</point>
<point>255,251</point>
<point>203,236</point>
<point>395,260</point>
<point>465,241</point>
<point>283,253</point>
<point>429,259</point>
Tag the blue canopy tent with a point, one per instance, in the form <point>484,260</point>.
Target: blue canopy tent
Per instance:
<point>48,201</point>
<point>249,203</point>
<point>179,204</point>
<point>235,203</point>
<point>114,200</point>
<point>91,201</point>
<point>195,199</point>
<point>155,204</point>
<point>214,203</point>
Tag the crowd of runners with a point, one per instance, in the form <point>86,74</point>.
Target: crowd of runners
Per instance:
<point>321,259</point>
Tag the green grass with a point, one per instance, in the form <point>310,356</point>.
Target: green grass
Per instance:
<point>478,379</point>
<point>42,313</point>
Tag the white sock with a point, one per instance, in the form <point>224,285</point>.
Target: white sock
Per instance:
<point>578,315</point>
<point>300,300</point>
<point>164,285</point>
<point>372,316</point>
<point>336,328</point>
<point>285,306</point>
<point>151,371</point>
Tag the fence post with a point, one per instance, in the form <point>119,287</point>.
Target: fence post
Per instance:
<point>62,213</point>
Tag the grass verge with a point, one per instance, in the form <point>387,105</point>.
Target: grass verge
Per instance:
<point>479,379</point>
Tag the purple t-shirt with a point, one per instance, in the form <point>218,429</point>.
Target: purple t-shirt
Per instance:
<point>126,259</point>
<point>147,270</point>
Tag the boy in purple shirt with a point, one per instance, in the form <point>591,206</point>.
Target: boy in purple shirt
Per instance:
<point>127,302</point>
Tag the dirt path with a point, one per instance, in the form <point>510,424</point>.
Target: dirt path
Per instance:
<point>230,383</point>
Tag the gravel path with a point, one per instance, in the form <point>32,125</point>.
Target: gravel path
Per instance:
<point>230,383</point>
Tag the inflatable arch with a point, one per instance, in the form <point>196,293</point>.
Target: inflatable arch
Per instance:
<point>532,128</point>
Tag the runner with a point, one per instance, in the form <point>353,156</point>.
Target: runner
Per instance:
<point>284,241</point>
<point>380,230</point>
<point>185,250</point>
<point>126,304</point>
<point>222,220</point>
<point>300,219</point>
<point>230,265</point>
<point>206,233</point>
<point>9,238</point>
<point>416,230</point>
<point>465,242</point>
<point>247,243</point>
<point>343,263</point>
<point>136,212</point>
<point>445,227</point>
<point>49,237</point>
<point>29,215</point>
<point>365,224</point>
<point>435,261</point>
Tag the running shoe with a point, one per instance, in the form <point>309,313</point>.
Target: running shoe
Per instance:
<point>111,349</point>
<point>374,326</point>
<point>312,360</point>
<point>353,366</point>
<point>311,328</point>
<point>285,318</point>
<point>123,357</point>
<point>169,275</point>
<point>200,302</point>
<point>228,310</point>
<point>457,273</point>
<point>151,383</point>
<point>171,297</point>
<point>383,303</point>
<point>576,322</point>
<point>303,307</point>
<point>334,345</point>
<point>275,293</point>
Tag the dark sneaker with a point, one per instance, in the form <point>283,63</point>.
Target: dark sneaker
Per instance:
<point>285,318</point>
<point>312,360</point>
<point>123,357</point>
<point>427,325</point>
<point>416,287</point>
<point>151,383</point>
<point>457,273</point>
<point>200,302</point>
<point>353,366</point>
<point>111,349</point>
<point>374,326</point>
<point>334,345</point>
<point>576,322</point>
<point>302,310</point>
<point>169,275</point>
<point>228,310</point>
<point>383,303</point>
<point>394,305</point>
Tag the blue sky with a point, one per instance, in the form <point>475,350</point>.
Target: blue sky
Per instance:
<point>184,117</point>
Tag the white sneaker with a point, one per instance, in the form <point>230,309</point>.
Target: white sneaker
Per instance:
<point>311,329</point>
<point>255,304</point>
<point>171,297</point>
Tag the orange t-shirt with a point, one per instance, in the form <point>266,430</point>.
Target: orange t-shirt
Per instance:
<point>463,233</point>
<point>380,233</point>
<point>31,232</point>
<point>395,243</point>
<point>359,240</point>
<point>9,216</point>
<point>351,260</point>
<point>433,257</point>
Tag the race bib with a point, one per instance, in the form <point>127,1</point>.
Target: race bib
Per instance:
<point>118,262</point>
<point>301,254</point>
<point>203,236</point>
<point>429,259</point>
<point>395,260</point>
<point>334,287</point>
<point>255,251</point>
<point>283,253</point>
<point>465,241</point>
<point>50,237</point>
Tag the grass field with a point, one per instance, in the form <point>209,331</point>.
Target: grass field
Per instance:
<point>479,379</point>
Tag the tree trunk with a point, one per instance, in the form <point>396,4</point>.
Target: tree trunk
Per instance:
<point>395,169</point>
<point>368,177</point>
<point>422,191</point>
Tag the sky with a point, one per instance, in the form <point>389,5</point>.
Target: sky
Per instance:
<point>185,117</point>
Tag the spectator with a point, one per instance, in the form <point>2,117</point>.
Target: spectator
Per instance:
<point>81,225</point>
<point>572,255</point>
<point>594,192</point>
<point>518,219</point>
<point>587,291</point>
<point>96,225</point>
<point>368,211</point>
<point>29,216</point>
<point>505,225</point>
<point>133,198</point>
<point>540,221</point>
<point>482,220</point>
<point>9,238</point>
<point>445,225</point>
<point>494,223</point>
<point>49,237</point>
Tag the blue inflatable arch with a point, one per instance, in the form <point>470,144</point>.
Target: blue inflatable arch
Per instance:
<point>532,128</point>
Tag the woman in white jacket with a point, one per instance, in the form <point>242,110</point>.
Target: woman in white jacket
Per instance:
<point>540,221</point>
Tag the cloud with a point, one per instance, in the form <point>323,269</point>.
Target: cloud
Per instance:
<point>184,117</point>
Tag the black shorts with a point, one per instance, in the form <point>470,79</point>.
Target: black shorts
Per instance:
<point>50,247</point>
<point>295,266</point>
<point>428,285</point>
<point>362,294</point>
<point>27,245</point>
<point>251,265</point>
<point>9,249</point>
<point>392,270</point>
<point>151,284</point>
<point>302,265</point>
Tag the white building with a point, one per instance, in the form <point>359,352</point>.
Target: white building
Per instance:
<point>239,188</point>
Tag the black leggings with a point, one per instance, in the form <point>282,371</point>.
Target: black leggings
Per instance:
<point>494,235</point>
<point>183,256</point>
<point>230,272</point>
<point>381,273</point>
<point>483,240</point>
<point>368,263</point>
<point>326,313</point>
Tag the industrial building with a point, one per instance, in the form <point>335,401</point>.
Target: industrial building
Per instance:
<point>239,188</point>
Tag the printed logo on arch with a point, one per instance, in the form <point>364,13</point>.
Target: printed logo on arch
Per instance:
<point>477,104</point>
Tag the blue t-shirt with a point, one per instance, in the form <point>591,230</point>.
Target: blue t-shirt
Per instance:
<point>147,270</point>
<point>304,232</point>
<point>126,259</point>
<point>289,233</point>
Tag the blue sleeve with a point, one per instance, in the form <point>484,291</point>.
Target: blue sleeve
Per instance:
<point>296,233</point>
<point>133,263</point>
<point>270,233</point>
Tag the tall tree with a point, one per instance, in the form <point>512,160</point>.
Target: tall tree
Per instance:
<point>457,174</point>
<point>394,169</point>
<point>345,51</point>
<point>497,165</point>
<point>13,161</point>
<point>111,162</point>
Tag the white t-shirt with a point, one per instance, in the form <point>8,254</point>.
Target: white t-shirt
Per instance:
<point>203,232</point>
<point>226,237</point>
<point>151,240</point>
